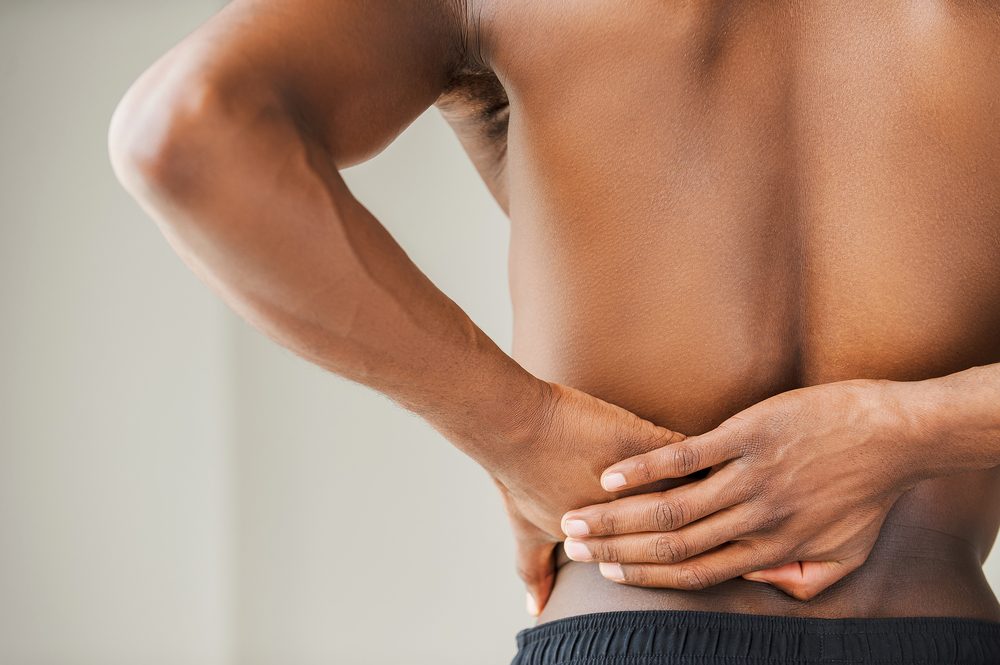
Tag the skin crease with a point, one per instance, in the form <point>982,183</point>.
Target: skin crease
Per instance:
<point>711,204</point>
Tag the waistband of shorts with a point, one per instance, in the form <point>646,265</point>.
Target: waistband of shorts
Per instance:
<point>693,636</point>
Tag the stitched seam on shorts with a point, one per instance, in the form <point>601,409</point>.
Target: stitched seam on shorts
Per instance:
<point>598,623</point>
<point>561,630</point>
<point>749,660</point>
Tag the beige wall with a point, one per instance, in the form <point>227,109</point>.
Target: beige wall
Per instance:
<point>173,487</point>
<point>114,395</point>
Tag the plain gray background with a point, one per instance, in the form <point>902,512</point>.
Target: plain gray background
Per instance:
<point>176,489</point>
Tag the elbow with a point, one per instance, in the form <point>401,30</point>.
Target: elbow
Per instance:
<point>154,135</point>
<point>170,135</point>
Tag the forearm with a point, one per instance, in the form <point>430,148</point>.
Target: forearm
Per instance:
<point>258,210</point>
<point>953,421</point>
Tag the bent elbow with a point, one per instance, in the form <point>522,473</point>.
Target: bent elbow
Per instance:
<point>154,134</point>
<point>170,133</point>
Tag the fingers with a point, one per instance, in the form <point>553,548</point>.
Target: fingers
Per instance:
<point>674,460</point>
<point>699,572</point>
<point>661,548</point>
<point>658,511</point>
<point>534,553</point>
<point>536,566</point>
<point>804,580</point>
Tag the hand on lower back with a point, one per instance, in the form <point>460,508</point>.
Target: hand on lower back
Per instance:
<point>575,437</point>
<point>799,487</point>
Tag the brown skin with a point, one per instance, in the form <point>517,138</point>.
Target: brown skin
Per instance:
<point>711,204</point>
<point>218,142</point>
<point>802,481</point>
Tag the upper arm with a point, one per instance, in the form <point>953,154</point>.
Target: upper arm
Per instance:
<point>354,73</point>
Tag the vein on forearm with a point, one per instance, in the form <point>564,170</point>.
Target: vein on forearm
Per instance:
<point>263,211</point>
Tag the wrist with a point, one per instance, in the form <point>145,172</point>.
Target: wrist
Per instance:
<point>516,421</point>
<point>909,427</point>
<point>937,421</point>
<point>498,411</point>
<point>525,409</point>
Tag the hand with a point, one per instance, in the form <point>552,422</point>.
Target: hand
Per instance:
<point>534,553</point>
<point>574,436</point>
<point>799,487</point>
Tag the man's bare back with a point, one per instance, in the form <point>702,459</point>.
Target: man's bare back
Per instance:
<point>710,203</point>
<point>725,201</point>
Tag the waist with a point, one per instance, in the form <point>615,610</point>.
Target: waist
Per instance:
<point>913,570</point>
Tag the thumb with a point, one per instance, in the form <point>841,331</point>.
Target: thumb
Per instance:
<point>803,579</point>
<point>536,565</point>
<point>534,554</point>
<point>534,551</point>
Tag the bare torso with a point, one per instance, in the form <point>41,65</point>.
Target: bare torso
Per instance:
<point>713,202</point>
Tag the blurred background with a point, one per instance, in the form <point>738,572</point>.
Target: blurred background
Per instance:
<point>174,488</point>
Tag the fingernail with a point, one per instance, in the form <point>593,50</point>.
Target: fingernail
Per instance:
<point>753,577</point>
<point>576,550</point>
<point>576,528</point>
<point>531,605</point>
<point>613,481</point>
<point>612,571</point>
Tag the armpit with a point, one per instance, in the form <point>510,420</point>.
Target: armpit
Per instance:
<point>475,104</point>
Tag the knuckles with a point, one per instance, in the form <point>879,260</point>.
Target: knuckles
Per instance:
<point>669,514</point>
<point>669,549</point>
<point>690,577</point>
<point>767,519</point>
<point>606,523</point>
<point>606,551</point>
<point>685,459</point>
<point>693,577</point>
<point>744,435</point>
<point>767,515</point>
<point>642,472</point>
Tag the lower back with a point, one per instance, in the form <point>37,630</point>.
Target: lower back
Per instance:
<point>726,202</point>
<point>917,568</point>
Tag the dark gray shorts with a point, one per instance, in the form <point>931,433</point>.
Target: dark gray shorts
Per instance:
<point>716,638</point>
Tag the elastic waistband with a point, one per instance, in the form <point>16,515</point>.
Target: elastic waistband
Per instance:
<point>665,637</point>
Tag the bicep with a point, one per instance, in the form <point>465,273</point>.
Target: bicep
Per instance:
<point>355,73</point>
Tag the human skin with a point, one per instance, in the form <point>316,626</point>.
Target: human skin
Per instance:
<point>802,481</point>
<point>710,203</point>
<point>222,151</point>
